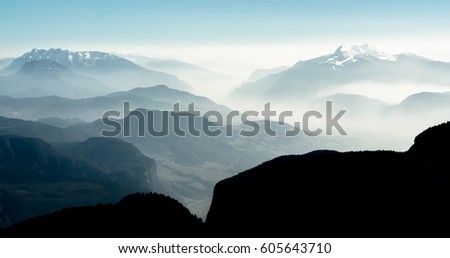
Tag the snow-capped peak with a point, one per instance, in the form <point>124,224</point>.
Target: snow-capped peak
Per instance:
<point>350,54</point>
<point>362,51</point>
<point>68,58</point>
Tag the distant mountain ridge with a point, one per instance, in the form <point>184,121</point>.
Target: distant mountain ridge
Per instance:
<point>308,79</point>
<point>109,69</point>
<point>88,61</point>
<point>159,97</point>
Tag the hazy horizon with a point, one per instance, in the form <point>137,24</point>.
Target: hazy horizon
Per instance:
<point>279,55</point>
<point>266,34</point>
<point>175,96</point>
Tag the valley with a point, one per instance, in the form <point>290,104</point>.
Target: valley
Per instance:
<point>86,128</point>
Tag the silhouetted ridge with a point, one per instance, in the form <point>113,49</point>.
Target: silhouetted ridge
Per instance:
<point>332,194</point>
<point>431,152</point>
<point>136,215</point>
<point>320,194</point>
<point>435,139</point>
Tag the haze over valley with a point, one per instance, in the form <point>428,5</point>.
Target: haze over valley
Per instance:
<point>69,92</point>
<point>209,117</point>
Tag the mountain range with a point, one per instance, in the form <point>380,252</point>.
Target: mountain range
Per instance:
<point>320,194</point>
<point>158,97</point>
<point>341,72</point>
<point>51,107</point>
<point>188,173</point>
<point>61,72</point>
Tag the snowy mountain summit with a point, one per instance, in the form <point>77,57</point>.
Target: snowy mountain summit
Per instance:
<point>67,57</point>
<point>105,71</point>
<point>76,61</point>
<point>350,54</point>
<point>57,53</point>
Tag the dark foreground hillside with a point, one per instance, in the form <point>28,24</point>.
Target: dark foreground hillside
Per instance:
<point>331,194</point>
<point>136,215</point>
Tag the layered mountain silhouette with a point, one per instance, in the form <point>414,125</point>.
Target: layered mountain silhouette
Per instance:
<point>37,178</point>
<point>51,156</point>
<point>169,96</point>
<point>372,118</point>
<point>425,102</point>
<point>383,95</point>
<point>35,71</point>
<point>189,166</point>
<point>333,194</point>
<point>159,97</point>
<point>416,104</point>
<point>319,194</point>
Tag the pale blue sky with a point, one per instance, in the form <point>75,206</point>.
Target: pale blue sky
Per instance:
<point>119,24</point>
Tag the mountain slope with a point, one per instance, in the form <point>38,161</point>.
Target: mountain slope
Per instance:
<point>122,161</point>
<point>60,122</point>
<point>33,129</point>
<point>205,82</point>
<point>170,96</point>
<point>347,66</point>
<point>261,73</point>
<point>424,101</point>
<point>136,215</point>
<point>89,109</point>
<point>333,194</point>
<point>111,70</point>
<point>190,165</point>
<point>5,62</point>
<point>36,178</point>
<point>38,78</point>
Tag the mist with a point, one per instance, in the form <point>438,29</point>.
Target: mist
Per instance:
<point>386,104</point>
